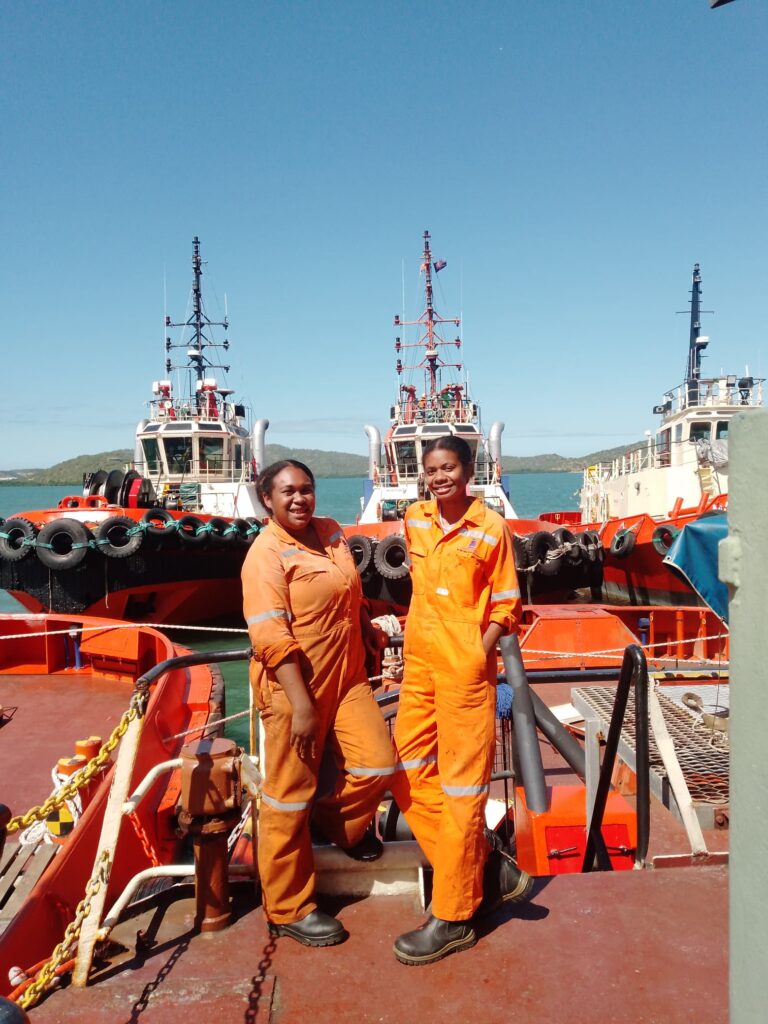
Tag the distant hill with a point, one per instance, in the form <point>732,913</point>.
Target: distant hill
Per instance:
<point>552,463</point>
<point>322,464</point>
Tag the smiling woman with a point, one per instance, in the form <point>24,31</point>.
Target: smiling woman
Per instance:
<point>309,629</point>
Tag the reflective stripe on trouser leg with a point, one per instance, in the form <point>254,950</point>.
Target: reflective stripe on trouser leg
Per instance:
<point>364,755</point>
<point>416,785</point>
<point>286,864</point>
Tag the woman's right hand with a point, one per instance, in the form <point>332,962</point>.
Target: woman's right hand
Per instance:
<point>303,731</point>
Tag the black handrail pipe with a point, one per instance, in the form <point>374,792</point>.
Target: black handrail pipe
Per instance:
<point>524,722</point>
<point>634,670</point>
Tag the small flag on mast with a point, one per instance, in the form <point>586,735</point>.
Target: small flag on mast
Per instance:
<point>439,264</point>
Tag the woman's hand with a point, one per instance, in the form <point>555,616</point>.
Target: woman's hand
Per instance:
<point>304,721</point>
<point>304,730</point>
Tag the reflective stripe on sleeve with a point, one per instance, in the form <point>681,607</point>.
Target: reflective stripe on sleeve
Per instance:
<point>276,613</point>
<point>419,762</point>
<point>503,595</point>
<point>365,772</point>
<point>280,806</point>
<point>466,790</point>
<point>335,536</point>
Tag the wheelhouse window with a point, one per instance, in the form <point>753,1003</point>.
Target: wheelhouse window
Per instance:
<point>663,439</point>
<point>178,454</point>
<point>701,431</point>
<point>211,454</point>
<point>151,451</point>
<point>407,462</point>
<point>721,432</point>
<point>238,457</point>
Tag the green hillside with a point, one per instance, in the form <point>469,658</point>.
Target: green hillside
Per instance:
<point>322,464</point>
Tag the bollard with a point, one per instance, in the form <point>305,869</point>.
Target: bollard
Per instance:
<point>211,795</point>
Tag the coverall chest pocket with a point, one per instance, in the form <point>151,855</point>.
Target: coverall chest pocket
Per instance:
<point>418,571</point>
<point>464,574</point>
<point>311,588</point>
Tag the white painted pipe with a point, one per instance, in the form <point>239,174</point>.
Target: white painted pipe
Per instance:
<point>146,783</point>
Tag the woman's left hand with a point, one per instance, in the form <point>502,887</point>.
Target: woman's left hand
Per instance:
<point>491,637</point>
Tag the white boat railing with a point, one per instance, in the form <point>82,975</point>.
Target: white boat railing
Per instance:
<point>732,392</point>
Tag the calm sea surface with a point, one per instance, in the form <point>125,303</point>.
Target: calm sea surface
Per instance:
<point>531,493</point>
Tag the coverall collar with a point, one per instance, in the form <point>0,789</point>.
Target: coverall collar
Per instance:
<point>284,535</point>
<point>473,515</point>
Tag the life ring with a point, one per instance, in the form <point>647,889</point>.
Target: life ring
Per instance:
<point>591,545</point>
<point>663,537</point>
<point>118,537</point>
<point>361,548</point>
<point>543,552</point>
<point>622,544</point>
<point>62,544</point>
<point>390,557</point>
<point>159,522</point>
<point>563,536</point>
<point>16,539</point>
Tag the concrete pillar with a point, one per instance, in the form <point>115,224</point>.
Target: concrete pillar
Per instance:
<point>744,567</point>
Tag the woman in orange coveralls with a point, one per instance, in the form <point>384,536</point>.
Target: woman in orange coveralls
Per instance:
<point>465,596</point>
<point>303,606</point>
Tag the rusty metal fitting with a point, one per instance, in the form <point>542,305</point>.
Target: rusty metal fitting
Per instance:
<point>210,777</point>
<point>211,795</point>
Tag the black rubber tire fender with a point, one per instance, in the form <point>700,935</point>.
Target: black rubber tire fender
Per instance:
<point>242,530</point>
<point>539,545</point>
<point>16,540</point>
<point>118,537</point>
<point>390,557</point>
<point>564,536</point>
<point>361,547</point>
<point>191,531</point>
<point>222,530</point>
<point>255,526</point>
<point>591,545</point>
<point>160,522</point>
<point>62,544</point>
<point>663,537</point>
<point>623,543</point>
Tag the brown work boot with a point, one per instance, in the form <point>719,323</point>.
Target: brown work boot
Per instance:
<point>503,882</point>
<point>434,940</point>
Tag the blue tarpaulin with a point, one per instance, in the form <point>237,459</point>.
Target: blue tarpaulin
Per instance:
<point>694,554</point>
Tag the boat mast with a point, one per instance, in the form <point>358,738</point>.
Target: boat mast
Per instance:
<point>198,362</point>
<point>695,342</point>
<point>432,364</point>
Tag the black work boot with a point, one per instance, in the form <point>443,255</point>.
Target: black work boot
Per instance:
<point>503,882</point>
<point>370,847</point>
<point>434,940</point>
<point>316,929</point>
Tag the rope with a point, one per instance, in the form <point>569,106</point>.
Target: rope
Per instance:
<point>208,725</point>
<point>127,625</point>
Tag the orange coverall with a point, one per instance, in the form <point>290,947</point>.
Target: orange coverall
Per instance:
<point>445,729</point>
<point>298,601</point>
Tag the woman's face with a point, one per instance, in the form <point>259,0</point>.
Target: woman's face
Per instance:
<point>292,500</point>
<point>445,476</point>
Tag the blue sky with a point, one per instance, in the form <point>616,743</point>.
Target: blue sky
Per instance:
<point>572,161</point>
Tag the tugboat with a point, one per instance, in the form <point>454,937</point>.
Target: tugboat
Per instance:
<point>434,401</point>
<point>639,502</point>
<point>164,539</point>
<point>423,411</point>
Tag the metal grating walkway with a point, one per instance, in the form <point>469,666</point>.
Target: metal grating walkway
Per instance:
<point>703,756</point>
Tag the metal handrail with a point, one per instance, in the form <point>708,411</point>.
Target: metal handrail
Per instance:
<point>634,670</point>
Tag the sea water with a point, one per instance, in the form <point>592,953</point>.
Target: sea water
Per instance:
<point>530,493</point>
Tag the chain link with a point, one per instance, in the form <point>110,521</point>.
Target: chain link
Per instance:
<point>63,952</point>
<point>84,775</point>
<point>144,839</point>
